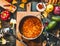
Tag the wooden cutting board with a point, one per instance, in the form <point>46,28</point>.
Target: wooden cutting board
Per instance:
<point>6,5</point>
<point>20,15</point>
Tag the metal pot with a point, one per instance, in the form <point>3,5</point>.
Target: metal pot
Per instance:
<point>21,24</point>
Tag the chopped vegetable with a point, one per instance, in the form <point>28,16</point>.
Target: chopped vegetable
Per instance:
<point>22,5</point>
<point>11,8</point>
<point>14,2</point>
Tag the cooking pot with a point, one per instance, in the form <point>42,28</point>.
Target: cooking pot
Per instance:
<point>22,22</point>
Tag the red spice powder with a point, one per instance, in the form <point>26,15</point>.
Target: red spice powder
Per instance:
<point>40,6</point>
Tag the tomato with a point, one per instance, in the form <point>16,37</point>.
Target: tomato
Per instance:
<point>5,15</point>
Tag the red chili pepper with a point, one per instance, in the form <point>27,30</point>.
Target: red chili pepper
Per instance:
<point>5,15</point>
<point>7,5</point>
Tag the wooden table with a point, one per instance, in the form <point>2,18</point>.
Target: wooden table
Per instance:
<point>20,15</point>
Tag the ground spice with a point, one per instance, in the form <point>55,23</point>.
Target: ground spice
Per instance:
<point>40,6</point>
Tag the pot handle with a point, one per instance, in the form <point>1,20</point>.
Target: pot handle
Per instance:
<point>39,16</point>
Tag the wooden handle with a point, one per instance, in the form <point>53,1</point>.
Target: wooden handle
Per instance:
<point>28,7</point>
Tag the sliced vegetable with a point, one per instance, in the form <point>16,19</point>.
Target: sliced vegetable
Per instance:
<point>22,5</point>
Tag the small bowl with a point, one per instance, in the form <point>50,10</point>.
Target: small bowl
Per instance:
<point>42,9</point>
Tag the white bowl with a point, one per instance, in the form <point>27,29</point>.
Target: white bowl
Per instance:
<point>41,10</point>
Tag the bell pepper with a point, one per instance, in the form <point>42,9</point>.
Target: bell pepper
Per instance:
<point>49,8</point>
<point>5,15</point>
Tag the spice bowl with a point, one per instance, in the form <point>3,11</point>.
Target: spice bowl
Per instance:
<point>41,7</point>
